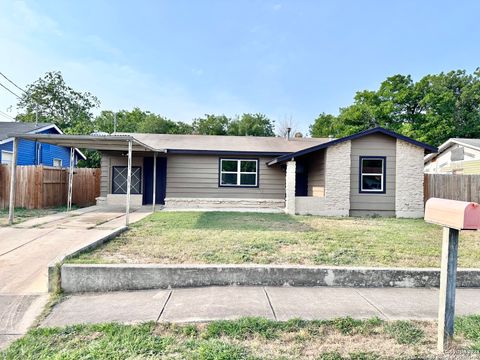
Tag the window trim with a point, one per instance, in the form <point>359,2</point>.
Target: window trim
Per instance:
<point>6,152</point>
<point>57,159</point>
<point>257,173</point>
<point>383,174</point>
<point>131,192</point>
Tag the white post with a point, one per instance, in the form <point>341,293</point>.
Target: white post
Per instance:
<point>129,182</point>
<point>154,180</point>
<point>290,187</point>
<point>13,182</point>
<point>448,279</point>
<point>70,181</point>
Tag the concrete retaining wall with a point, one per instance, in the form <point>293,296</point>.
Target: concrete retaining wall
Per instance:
<point>93,278</point>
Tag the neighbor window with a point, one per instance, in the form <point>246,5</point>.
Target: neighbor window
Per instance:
<point>238,172</point>
<point>57,162</point>
<point>372,174</point>
<point>7,157</point>
<point>119,180</point>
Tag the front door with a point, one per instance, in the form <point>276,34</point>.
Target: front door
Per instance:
<point>148,180</point>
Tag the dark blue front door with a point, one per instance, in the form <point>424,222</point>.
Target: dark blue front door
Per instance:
<point>148,180</point>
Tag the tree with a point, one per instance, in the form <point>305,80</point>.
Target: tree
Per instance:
<point>433,109</point>
<point>58,103</point>
<point>251,125</point>
<point>211,125</point>
<point>324,125</point>
<point>286,125</point>
<point>157,124</point>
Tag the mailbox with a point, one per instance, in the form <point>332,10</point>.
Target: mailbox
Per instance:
<point>460,215</point>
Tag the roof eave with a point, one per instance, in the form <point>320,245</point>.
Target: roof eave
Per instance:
<point>309,150</point>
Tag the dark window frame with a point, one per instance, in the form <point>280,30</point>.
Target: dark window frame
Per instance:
<point>257,160</point>
<point>384,175</point>
<point>131,190</point>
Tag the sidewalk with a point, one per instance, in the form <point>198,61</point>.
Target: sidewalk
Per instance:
<point>276,303</point>
<point>27,248</point>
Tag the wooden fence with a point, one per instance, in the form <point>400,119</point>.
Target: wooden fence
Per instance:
<point>454,187</point>
<point>44,186</point>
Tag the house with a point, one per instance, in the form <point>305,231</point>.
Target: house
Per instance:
<point>374,172</point>
<point>455,156</point>
<point>32,152</point>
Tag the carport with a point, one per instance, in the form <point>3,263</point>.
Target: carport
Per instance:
<point>123,143</point>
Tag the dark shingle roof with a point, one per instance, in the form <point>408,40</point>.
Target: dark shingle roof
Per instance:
<point>18,128</point>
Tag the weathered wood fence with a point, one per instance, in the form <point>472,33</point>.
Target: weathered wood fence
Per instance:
<point>454,187</point>
<point>44,186</point>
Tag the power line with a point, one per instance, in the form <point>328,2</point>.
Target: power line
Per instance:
<point>11,82</point>
<point>7,116</point>
<point>10,91</point>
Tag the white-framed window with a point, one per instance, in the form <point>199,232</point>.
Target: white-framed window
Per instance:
<point>238,172</point>
<point>7,157</point>
<point>372,174</point>
<point>57,162</point>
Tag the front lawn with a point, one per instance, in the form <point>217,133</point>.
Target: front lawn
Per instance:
<point>247,339</point>
<point>240,238</point>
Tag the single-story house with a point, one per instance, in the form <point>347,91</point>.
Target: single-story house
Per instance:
<point>455,156</point>
<point>32,152</point>
<point>374,172</point>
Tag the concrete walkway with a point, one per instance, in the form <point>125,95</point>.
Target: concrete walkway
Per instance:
<point>27,248</point>
<point>277,303</point>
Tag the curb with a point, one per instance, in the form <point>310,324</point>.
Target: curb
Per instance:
<point>117,277</point>
<point>54,268</point>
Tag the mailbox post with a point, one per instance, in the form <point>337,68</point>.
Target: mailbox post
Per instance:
<point>453,216</point>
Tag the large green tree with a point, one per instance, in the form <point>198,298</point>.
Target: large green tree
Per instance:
<point>251,125</point>
<point>432,109</point>
<point>211,125</point>
<point>52,100</point>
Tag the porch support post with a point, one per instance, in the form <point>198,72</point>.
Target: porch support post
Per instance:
<point>70,181</point>
<point>290,187</point>
<point>154,180</point>
<point>129,183</point>
<point>13,182</point>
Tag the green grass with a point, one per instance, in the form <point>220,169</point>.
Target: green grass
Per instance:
<point>22,214</point>
<point>240,238</point>
<point>243,339</point>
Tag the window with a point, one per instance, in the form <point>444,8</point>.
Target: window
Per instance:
<point>7,157</point>
<point>57,162</point>
<point>119,180</point>
<point>372,174</point>
<point>238,172</point>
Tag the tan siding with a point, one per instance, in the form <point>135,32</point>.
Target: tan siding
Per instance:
<point>373,145</point>
<point>107,163</point>
<point>197,176</point>
<point>316,174</point>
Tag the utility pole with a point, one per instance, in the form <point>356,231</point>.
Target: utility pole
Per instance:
<point>114,122</point>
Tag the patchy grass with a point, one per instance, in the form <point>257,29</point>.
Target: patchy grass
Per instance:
<point>22,214</point>
<point>240,238</point>
<point>243,339</point>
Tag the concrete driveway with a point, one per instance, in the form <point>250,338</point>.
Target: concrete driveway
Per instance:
<point>26,250</point>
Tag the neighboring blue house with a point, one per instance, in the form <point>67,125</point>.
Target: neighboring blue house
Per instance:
<point>34,152</point>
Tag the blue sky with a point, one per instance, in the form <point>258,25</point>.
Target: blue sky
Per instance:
<point>183,59</point>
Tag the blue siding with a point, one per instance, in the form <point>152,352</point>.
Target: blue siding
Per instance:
<point>28,152</point>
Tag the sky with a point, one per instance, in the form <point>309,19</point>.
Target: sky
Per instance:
<point>186,58</point>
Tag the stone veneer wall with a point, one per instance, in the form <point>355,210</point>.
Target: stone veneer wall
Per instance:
<point>290,187</point>
<point>409,180</point>
<point>337,179</point>
<point>223,203</point>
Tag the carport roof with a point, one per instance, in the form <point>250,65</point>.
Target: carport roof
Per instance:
<point>94,142</point>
